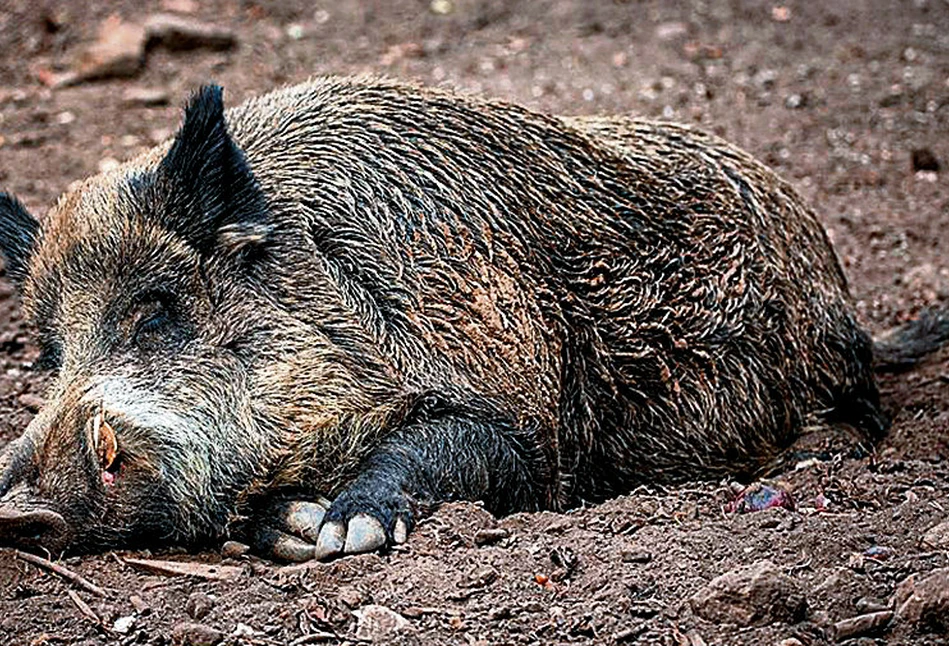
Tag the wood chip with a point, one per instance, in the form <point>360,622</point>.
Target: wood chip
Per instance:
<point>490,535</point>
<point>84,607</point>
<point>182,568</point>
<point>862,624</point>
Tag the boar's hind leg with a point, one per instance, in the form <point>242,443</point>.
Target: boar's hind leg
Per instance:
<point>439,453</point>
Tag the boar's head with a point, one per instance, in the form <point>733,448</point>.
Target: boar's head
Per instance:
<point>138,286</point>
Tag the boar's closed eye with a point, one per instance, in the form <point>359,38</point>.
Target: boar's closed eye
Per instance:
<point>156,324</point>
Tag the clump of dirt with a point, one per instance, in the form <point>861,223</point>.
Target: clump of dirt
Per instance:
<point>851,106</point>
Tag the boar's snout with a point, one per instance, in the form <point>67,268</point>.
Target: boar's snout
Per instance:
<point>34,527</point>
<point>30,530</point>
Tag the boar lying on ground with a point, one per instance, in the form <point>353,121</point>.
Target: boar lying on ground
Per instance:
<point>394,297</point>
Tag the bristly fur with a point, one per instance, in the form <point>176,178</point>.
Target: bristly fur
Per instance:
<point>906,345</point>
<point>18,231</point>
<point>204,184</point>
<point>399,296</point>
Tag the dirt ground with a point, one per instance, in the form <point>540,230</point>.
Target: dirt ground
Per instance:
<point>836,96</point>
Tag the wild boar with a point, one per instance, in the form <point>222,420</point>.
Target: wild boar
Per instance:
<point>395,296</point>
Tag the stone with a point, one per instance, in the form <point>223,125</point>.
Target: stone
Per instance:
<point>123,625</point>
<point>180,33</point>
<point>870,623</point>
<point>189,634</point>
<point>923,600</point>
<point>140,605</point>
<point>667,31</point>
<point>145,96</point>
<point>198,605</point>
<point>352,597</point>
<point>936,537</point>
<point>179,6</point>
<point>756,594</point>
<point>31,402</point>
<point>479,577</point>
<point>118,52</point>
<point>377,623</point>
<point>234,549</point>
<point>490,535</point>
<point>631,555</point>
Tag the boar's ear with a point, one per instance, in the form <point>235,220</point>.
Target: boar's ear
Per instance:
<point>18,231</point>
<point>214,198</point>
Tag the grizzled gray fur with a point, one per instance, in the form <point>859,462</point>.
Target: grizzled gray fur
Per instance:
<point>392,297</point>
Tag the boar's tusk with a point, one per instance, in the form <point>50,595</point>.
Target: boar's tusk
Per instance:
<point>96,423</point>
<point>104,441</point>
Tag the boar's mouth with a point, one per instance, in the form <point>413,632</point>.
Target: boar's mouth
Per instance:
<point>31,530</point>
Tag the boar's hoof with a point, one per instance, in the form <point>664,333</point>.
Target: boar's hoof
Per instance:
<point>304,519</point>
<point>294,535</point>
<point>364,534</point>
<point>300,531</point>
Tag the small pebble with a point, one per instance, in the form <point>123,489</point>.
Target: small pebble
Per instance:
<point>378,623</point>
<point>234,549</point>
<point>442,7</point>
<point>123,625</point>
<point>869,604</point>
<point>352,597</point>
<point>31,402</point>
<point>141,607</point>
<point>490,535</point>
<point>198,605</point>
<point>108,164</point>
<point>635,556</point>
<point>862,625</point>
<point>146,97</point>
<point>189,634</point>
<point>936,537</point>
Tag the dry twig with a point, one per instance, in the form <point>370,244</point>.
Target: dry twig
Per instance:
<point>62,571</point>
<point>84,607</point>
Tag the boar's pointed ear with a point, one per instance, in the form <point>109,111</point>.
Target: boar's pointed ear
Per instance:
<point>18,232</point>
<point>214,198</point>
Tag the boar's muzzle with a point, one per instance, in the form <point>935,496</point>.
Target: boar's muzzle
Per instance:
<point>27,529</point>
<point>33,529</point>
<point>14,462</point>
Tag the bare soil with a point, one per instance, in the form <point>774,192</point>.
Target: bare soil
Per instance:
<point>835,96</point>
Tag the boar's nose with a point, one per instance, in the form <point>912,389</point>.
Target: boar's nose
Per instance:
<point>32,529</point>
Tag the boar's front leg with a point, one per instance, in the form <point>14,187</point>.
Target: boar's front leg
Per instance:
<point>440,453</point>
